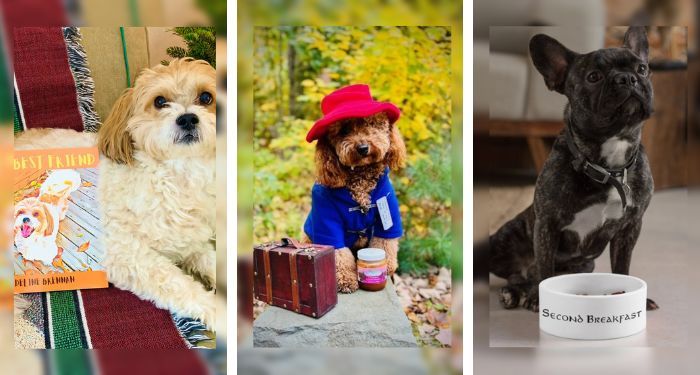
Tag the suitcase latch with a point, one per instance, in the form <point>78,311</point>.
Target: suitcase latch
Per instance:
<point>268,245</point>
<point>308,251</point>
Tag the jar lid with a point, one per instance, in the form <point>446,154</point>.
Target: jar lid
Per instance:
<point>371,254</point>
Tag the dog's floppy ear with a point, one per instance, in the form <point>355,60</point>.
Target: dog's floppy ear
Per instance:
<point>49,220</point>
<point>552,60</point>
<point>329,172</point>
<point>636,40</point>
<point>396,156</point>
<point>114,141</point>
<point>19,206</point>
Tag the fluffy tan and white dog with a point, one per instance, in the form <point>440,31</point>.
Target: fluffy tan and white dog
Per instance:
<point>157,188</point>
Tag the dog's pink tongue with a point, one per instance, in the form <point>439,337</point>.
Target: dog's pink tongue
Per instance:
<point>27,230</point>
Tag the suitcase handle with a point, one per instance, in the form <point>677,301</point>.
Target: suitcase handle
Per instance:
<point>286,241</point>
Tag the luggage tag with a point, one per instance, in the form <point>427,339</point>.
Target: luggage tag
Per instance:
<point>384,213</point>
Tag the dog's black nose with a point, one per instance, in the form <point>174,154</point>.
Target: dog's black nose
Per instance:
<point>25,220</point>
<point>626,79</point>
<point>363,149</point>
<point>188,121</point>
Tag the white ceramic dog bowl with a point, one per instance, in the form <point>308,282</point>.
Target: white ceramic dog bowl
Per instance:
<point>582,306</point>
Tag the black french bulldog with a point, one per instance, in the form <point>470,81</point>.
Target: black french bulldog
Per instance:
<point>596,183</point>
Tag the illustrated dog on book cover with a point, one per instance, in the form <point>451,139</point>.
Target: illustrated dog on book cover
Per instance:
<point>36,219</point>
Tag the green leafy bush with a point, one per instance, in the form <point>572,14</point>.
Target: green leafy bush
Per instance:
<point>200,41</point>
<point>425,206</point>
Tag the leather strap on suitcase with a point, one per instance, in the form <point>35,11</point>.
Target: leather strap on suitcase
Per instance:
<point>295,278</point>
<point>286,242</point>
<point>290,242</point>
<point>268,276</point>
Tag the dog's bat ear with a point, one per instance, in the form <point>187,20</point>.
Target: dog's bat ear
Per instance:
<point>552,60</point>
<point>396,156</point>
<point>114,140</point>
<point>49,220</point>
<point>329,172</point>
<point>636,40</point>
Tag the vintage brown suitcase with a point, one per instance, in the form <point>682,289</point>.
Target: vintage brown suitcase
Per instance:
<point>297,277</point>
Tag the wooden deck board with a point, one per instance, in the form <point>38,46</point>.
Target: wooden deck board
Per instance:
<point>86,203</point>
<point>27,177</point>
<point>19,267</point>
<point>81,217</point>
<point>80,225</point>
<point>77,236</point>
<point>75,259</point>
<point>90,174</point>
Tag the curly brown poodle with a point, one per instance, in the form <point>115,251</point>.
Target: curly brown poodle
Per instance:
<point>355,154</point>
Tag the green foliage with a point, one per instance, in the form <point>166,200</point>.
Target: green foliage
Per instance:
<point>176,52</point>
<point>200,41</point>
<point>295,67</point>
<point>216,10</point>
<point>425,208</point>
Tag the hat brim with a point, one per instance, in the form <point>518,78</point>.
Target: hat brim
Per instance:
<point>351,110</point>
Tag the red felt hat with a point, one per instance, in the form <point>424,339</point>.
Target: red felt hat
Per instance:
<point>348,102</point>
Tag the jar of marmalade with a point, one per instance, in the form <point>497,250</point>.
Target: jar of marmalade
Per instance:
<point>371,269</point>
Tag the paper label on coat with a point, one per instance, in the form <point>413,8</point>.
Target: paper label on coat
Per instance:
<point>384,213</point>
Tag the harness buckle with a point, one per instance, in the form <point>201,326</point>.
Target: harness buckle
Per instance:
<point>596,173</point>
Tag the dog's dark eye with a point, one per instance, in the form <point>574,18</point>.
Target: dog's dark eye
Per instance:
<point>35,214</point>
<point>594,77</point>
<point>160,102</point>
<point>344,130</point>
<point>21,212</point>
<point>205,98</point>
<point>642,69</point>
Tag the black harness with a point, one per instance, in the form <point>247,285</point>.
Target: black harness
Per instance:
<point>598,173</point>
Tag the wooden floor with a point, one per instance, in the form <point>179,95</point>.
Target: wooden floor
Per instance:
<point>81,224</point>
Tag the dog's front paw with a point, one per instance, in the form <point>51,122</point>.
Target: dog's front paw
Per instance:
<point>532,300</point>
<point>204,310</point>
<point>202,264</point>
<point>349,286</point>
<point>651,305</point>
<point>346,271</point>
<point>391,248</point>
<point>209,282</point>
<point>392,261</point>
<point>509,297</point>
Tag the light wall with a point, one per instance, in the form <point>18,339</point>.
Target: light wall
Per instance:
<point>145,48</point>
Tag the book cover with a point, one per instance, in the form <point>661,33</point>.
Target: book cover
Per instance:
<point>57,231</point>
